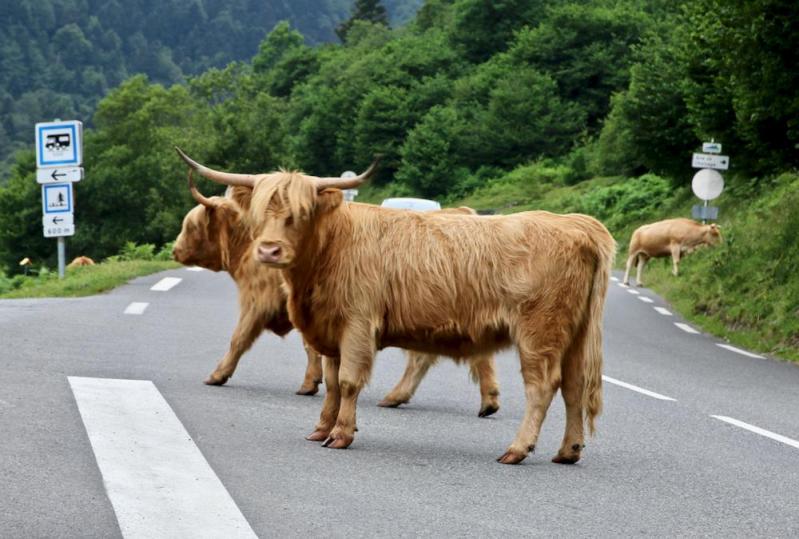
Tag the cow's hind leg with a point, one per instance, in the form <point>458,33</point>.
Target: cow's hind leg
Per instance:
<point>332,402</point>
<point>248,329</point>
<point>357,355</point>
<point>417,366</point>
<point>313,372</point>
<point>483,370</point>
<point>571,389</point>
<point>541,343</point>
<point>642,260</point>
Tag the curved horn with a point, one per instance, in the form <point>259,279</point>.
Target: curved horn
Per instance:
<point>199,197</point>
<point>226,178</point>
<point>346,183</point>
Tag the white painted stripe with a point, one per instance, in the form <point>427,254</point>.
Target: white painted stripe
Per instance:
<point>136,308</point>
<point>165,284</point>
<point>685,327</point>
<point>663,311</point>
<point>623,285</point>
<point>739,351</point>
<point>614,279</point>
<point>195,268</point>
<point>758,430</point>
<point>633,291</point>
<point>636,388</point>
<point>645,299</point>
<point>157,480</point>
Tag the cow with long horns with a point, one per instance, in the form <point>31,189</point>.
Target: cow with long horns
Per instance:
<point>212,237</point>
<point>361,278</point>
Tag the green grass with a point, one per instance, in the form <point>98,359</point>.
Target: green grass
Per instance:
<point>82,281</point>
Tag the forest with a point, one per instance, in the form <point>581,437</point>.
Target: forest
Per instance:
<point>570,105</point>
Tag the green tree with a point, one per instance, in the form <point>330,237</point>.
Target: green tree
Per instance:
<point>363,10</point>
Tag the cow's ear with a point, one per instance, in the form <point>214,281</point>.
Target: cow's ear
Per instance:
<point>328,200</point>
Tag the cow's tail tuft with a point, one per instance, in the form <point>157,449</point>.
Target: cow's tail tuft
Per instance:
<point>592,374</point>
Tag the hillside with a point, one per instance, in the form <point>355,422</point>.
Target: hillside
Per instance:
<point>59,57</point>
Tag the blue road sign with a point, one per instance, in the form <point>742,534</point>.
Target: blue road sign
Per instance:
<point>59,144</point>
<point>57,198</point>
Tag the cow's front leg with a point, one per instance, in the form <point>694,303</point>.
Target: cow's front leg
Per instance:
<point>332,402</point>
<point>357,355</point>
<point>313,372</point>
<point>675,259</point>
<point>247,330</point>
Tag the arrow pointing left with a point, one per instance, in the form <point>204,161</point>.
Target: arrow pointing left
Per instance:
<point>59,175</point>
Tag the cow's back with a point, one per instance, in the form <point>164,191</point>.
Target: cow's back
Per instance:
<point>655,239</point>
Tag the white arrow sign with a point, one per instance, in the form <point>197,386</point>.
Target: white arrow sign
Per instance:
<point>704,160</point>
<point>59,175</point>
<point>58,219</point>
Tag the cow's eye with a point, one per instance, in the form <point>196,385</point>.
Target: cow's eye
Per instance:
<point>289,220</point>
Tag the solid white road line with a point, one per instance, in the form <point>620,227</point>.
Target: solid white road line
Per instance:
<point>195,268</point>
<point>136,308</point>
<point>739,351</point>
<point>685,327</point>
<point>645,299</point>
<point>165,284</point>
<point>636,388</point>
<point>663,311</point>
<point>758,430</point>
<point>633,291</point>
<point>157,480</point>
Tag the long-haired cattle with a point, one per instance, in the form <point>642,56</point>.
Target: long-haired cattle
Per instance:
<point>212,237</point>
<point>361,278</point>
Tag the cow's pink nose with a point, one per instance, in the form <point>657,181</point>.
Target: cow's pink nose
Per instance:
<point>269,252</point>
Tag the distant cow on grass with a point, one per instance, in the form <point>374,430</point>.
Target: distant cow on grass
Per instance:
<point>674,237</point>
<point>362,278</point>
<point>213,237</point>
<point>80,261</point>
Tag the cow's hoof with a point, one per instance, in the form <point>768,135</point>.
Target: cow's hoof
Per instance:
<point>511,457</point>
<point>309,391</point>
<point>338,441</point>
<point>318,436</point>
<point>216,379</point>
<point>562,459</point>
<point>390,403</point>
<point>488,410</point>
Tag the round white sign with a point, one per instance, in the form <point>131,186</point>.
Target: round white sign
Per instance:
<point>707,184</point>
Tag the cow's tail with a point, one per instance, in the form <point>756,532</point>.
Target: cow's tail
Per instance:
<point>592,373</point>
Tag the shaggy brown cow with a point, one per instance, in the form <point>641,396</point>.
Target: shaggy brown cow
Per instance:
<point>210,238</point>
<point>674,237</point>
<point>361,278</point>
<point>79,261</point>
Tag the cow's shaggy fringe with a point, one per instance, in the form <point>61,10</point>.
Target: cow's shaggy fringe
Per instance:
<point>364,278</point>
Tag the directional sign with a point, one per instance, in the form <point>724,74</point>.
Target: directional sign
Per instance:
<point>58,219</point>
<point>59,144</point>
<point>59,175</point>
<point>55,231</point>
<point>56,198</point>
<point>704,160</point>
<point>711,147</point>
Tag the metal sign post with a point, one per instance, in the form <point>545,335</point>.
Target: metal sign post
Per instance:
<point>59,156</point>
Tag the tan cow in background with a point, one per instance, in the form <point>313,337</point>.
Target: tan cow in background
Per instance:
<point>214,238</point>
<point>675,237</point>
<point>362,278</point>
<point>80,261</point>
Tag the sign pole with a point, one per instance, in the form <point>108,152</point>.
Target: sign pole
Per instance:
<point>62,255</point>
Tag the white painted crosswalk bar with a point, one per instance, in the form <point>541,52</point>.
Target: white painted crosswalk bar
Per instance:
<point>758,430</point>
<point>637,389</point>
<point>663,311</point>
<point>685,327</point>
<point>159,483</point>
<point>739,351</point>
<point>165,284</point>
<point>136,307</point>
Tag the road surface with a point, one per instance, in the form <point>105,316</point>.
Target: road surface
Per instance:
<point>108,431</point>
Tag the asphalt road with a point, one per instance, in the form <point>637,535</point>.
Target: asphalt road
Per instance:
<point>657,467</point>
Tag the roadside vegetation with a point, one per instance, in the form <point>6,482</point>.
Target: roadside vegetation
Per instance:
<point>592,106</point>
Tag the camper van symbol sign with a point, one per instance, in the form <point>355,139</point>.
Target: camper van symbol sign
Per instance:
<point>58,144</point>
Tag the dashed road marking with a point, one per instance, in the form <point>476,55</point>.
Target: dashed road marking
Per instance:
<point>739,351</point>
<point>136,307</point>
<point>159,483</point>
<point>616,279</point>
<point>165,284</point>
<point>663,311</point>
<point>645,299</point>
<point>633,291</point>
<point>636,388</point>
<point>758,430</point>
<point>624,285</point>
<point>195,268</point>
<point>686,328</point>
